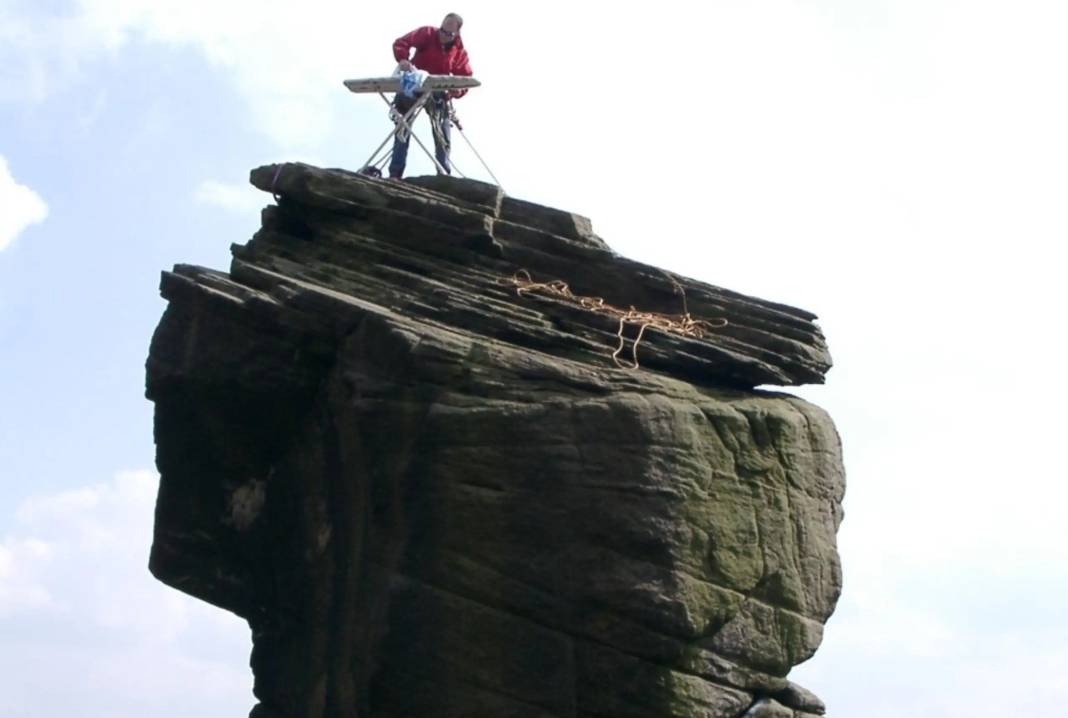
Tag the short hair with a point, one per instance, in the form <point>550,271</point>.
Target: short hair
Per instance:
<point>454,16</point>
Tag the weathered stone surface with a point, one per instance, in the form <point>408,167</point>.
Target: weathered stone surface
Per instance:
<point>455,248</point>
<point>432,497</point>
<point>768,708</point>
<point>801,699</point>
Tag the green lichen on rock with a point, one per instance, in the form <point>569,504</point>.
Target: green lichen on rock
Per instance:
<point>432,496</point>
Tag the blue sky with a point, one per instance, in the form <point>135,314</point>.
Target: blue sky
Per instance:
<point>896,167</point>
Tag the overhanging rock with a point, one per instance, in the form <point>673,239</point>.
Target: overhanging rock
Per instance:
<point>432,494</point>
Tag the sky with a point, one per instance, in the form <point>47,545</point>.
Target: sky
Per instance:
<point>897,167</point>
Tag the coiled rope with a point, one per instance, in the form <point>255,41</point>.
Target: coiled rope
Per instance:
<point>682,324</point>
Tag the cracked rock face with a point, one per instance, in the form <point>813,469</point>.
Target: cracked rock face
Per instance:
<point>431,495</point>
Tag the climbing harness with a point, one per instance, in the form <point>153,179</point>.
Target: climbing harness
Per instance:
<point>681,324</point>
<point>403,129</point>
<point>421,87</point>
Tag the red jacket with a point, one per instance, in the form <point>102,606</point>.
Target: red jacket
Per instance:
<point>430,57</point>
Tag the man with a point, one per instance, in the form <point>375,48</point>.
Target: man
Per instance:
<point>439,51</point>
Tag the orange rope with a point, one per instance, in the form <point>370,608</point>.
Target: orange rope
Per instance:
<point>682,324</point>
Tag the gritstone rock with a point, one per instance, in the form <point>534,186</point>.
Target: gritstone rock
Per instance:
<point>409,460</point>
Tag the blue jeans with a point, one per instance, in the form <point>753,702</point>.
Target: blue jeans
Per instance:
<point>437,109</point>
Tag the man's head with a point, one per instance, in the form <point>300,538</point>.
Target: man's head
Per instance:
<point>450,28</point>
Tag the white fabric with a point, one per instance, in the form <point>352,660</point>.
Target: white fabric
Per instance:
<point>411,80</point>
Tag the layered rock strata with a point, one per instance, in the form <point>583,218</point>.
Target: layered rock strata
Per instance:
<point>416,470</point>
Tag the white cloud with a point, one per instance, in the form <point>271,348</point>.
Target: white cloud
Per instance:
<point>18,591</point>
<point>895,166</point>
<point>944,643</point>
<point>78,608</point>
<point>20,207</point>
<point>231,197</point>
<point>286,60</point>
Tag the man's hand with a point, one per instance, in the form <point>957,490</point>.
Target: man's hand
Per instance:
<point>406,65</point>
